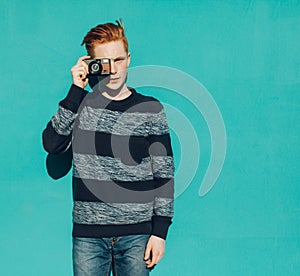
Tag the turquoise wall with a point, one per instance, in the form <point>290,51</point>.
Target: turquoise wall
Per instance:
<point>244,53</point>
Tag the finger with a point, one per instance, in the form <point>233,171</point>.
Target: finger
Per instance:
<point>81,74</point>
<point>80,66</point>
<point>159,257</point>
<point>147,252</point>
<point>81,69</point>
<point>151,264</point>
<point>85,66</point>
<point>86,81</point>
<point>154,259</point>
<point>82,58</point>
<point>75,69</point>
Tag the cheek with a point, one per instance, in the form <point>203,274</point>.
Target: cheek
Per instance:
<point>123,67</point>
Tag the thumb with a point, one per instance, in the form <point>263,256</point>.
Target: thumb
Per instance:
<point>147,252</point>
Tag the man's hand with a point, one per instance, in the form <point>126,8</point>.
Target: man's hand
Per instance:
<point>156,249</point>
<point>79,72</point>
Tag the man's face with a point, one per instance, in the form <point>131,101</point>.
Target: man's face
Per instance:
<point>120,60</point>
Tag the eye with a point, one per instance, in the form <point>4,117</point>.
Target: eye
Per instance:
<point>118,60</point>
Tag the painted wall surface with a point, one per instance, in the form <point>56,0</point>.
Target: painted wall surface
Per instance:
<point>244,59</point>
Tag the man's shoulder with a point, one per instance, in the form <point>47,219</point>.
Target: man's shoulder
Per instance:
<point>149,103</point>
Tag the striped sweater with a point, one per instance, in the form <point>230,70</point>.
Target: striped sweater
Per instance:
<point>123,169</point>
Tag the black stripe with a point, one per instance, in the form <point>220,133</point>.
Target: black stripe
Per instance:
<point>160,144</point>
<point>121,191</point>
<point>113,191</point>
<point>136,103</point>
<point>98,231</point>
<point>128,148</point>
<point>164,187</point>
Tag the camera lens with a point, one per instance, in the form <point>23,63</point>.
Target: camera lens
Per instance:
<point>95,67</point>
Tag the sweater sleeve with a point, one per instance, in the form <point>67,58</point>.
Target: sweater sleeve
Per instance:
<point>57,135</point>
<point>163,170</point>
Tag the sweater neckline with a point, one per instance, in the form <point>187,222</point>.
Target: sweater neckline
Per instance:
<point>124,101</point>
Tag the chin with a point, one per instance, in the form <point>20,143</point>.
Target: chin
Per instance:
<point>113,86</point>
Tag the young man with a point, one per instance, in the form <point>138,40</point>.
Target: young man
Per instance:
<point>123,169</point>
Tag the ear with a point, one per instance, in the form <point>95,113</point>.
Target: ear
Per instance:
<point>128,59</point>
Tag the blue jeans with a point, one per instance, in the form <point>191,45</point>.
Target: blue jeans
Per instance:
<point>123,255</point>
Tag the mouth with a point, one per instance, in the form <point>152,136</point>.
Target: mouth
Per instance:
<point>114,80</point>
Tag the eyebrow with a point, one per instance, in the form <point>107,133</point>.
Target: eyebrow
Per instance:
<point>116,58</point>
<point>120,57</point>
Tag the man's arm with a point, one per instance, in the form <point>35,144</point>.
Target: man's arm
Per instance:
<point>57,135</point>
<point>163,171</point>
<point>58,132</point>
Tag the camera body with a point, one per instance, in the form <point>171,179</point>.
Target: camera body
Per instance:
<point>98,67</point>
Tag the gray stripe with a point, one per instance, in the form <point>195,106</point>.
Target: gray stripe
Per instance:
<point>63,121</point>
<point>159,123</point>
<point>163,166</point>
<point>114,122</point>
<point>97,167</point>
<point>122,123</point>
<point>164,206</point>
<point>113,213</point>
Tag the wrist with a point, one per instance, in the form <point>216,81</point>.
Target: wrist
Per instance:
<point>80,85</point>
<point>157,237</point>
<point>74,98</point>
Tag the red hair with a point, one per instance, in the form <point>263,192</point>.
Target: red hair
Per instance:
<point>105,33</point>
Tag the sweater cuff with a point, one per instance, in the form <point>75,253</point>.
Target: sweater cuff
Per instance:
<point>74,98</point>
<point>160,226</point>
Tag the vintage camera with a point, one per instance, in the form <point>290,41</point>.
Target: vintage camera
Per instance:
<point>98,67</point>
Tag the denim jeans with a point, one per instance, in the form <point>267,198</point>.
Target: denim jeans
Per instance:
<point>123,255</point>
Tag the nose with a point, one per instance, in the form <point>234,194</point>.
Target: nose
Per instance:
<point>113,69</point>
